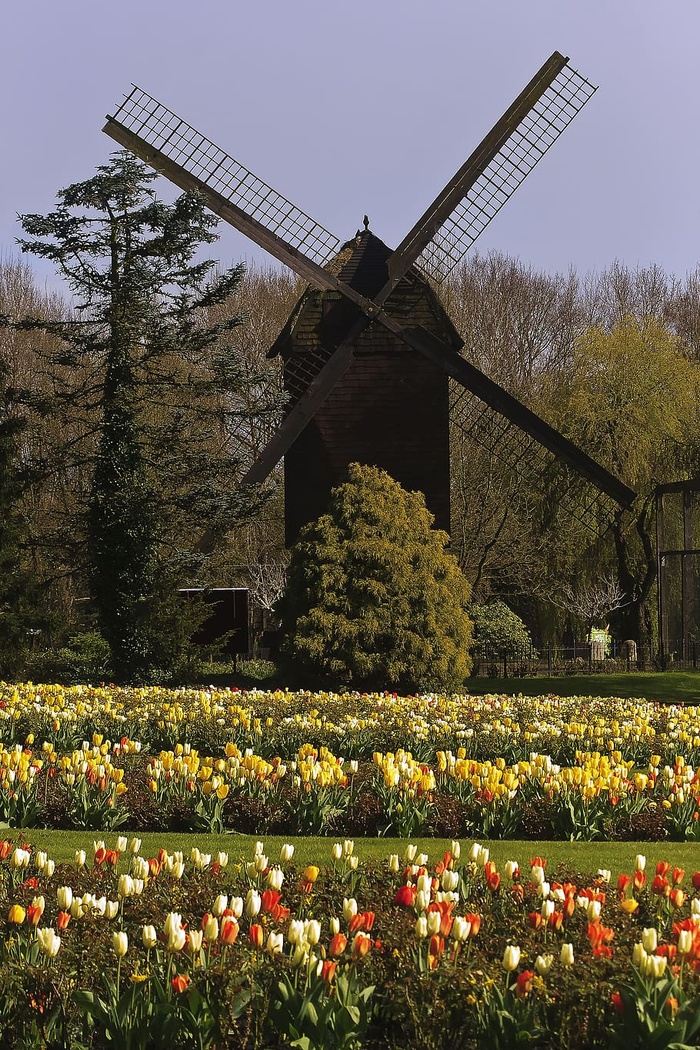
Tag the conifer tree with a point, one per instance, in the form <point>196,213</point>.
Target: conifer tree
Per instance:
<point>13,584</point>
<point>373,598</point>
<point>152,386</point>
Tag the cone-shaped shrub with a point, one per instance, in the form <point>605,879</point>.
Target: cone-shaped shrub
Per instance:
<point>374,600</point>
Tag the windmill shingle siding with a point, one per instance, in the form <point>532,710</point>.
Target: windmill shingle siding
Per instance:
<point>390,409</point>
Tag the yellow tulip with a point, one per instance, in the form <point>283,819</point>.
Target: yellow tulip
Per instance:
<point>16,914</point>
<point>629,905</point>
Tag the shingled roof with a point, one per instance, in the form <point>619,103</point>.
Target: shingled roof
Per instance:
<point>362,263</point>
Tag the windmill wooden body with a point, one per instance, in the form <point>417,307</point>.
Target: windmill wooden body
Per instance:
<point>391,407</point>
<point>375,334</point>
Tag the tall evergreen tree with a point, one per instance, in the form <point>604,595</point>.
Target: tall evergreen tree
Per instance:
<point>153,386</point>
<point>13,586</point>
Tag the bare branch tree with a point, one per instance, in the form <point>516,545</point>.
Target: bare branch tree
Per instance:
<point>267,581</point>
<point>591,602</point>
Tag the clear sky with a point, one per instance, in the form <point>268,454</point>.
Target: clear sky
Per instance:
<point>354,106</point>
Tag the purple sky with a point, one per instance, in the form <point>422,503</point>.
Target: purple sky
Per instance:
<point>354,106</point>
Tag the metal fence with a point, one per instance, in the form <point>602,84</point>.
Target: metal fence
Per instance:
<point>583,658</point>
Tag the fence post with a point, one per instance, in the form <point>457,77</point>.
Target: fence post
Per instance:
<point>549,660</point>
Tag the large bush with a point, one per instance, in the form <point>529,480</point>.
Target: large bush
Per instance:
<point>373,599</point>
<point>499,631</point>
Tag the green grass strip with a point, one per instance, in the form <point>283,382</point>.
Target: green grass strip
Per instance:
<point>677,687</point>
<point>587,857</point>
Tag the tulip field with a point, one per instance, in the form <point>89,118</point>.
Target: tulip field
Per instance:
<point>496,767</point>
<point>128,948</point>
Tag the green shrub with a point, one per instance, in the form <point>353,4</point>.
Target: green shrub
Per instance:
<point>499,631</point>
<point>373,599</point>
<point>84,658</point>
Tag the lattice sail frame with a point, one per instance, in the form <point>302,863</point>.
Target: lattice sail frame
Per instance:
<point>527,466</point>
<point>534,136</point>
<point>165,131</point>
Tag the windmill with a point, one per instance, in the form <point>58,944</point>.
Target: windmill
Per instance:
<point>357,303</point>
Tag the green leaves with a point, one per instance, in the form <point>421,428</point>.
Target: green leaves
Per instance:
<point>314,1015</point>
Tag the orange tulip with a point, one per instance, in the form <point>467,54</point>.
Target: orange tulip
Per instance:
<point>475,923</point>
<point>34,913</point>
<point>623,882</point>
<point>256,935</point>
<point>639,880</point>
<point>677,897</point>
<point>269,899</point>
<point>361,945</point>
<point>338,944</point>
<point>229,931</point>
<point>437,945</point>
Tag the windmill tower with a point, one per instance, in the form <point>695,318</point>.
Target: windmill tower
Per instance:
<point>373,329</point>
<point>390,409</point>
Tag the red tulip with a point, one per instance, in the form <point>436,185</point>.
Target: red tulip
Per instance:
<point>618,1004</point>
<point>523,983</point>
<point>180,983</point>
<point>268,899</point>
<point>405,895</point>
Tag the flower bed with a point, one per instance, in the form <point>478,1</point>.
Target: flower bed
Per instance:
<point>133,951</point>
<point>301,763</point>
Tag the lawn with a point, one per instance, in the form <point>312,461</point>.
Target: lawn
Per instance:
<point>583,857</point>
<point>676,687</point>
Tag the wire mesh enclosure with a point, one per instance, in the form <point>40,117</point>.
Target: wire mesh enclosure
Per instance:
<point>678,553</point>
<point>533,137</point>
<point>163,130</point>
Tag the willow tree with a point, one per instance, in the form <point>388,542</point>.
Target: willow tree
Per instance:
<point>633,401</point>
<point>153,385</point>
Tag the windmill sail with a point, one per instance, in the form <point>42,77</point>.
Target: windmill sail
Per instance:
<point>436,244</point>
<point>496,168</point>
